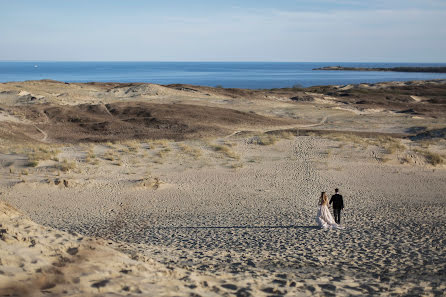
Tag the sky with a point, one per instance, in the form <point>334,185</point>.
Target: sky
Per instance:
<point>229,30</point>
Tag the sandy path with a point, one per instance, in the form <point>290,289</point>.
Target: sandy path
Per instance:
<point>322,122</point>
<point>45,135</point>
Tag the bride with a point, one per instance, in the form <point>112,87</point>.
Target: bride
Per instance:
<point>324,218</point>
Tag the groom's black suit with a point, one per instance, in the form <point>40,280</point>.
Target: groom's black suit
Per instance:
<point>338,204</point>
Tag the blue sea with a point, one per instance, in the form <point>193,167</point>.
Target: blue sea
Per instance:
<point>252,75</point>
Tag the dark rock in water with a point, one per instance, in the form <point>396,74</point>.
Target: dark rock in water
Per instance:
<point>431,134</point>
<point>302,98</point>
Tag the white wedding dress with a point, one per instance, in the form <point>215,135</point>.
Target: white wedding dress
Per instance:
<point>324,218</point>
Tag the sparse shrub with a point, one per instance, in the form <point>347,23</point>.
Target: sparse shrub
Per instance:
<point>389,144</point>
<point>32,163</point>
<point>163,153</point>
<point>66,165</point>
<point>225,150</point>
<point>431,157</point>
<point>94,162</point>
<point>150,182</point>
<point>38,153</point>
<point>406,160</point>
<point>159,142</point>
<point>264,139</point>
<point>237,165</point>
<point>110,144</point>
<point>286,135</point>
<point>191,151</point>
<point>110,155</point>
<point>90,156</point>
<point>131,145</point>
<point>384,159</point>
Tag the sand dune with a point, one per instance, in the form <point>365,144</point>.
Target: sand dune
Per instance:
<point>179,190</point>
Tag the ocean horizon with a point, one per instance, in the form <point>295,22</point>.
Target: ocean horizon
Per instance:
<point>249,75</point>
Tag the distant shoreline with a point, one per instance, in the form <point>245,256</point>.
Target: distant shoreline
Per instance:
<point>393,69</point>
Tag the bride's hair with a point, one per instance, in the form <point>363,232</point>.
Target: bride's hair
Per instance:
<point>324,199</point>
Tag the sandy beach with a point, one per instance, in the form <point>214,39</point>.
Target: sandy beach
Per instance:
<point>148,190</point>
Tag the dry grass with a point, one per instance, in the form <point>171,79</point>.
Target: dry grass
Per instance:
<point>431,157</point>
<point>389,144</point>
<point>265,139</point>
<point>34,152</point>
<point>270,139</point>
<point>236,165</point>
<point>406,160</point>
<point>110,155</point>
<point>66,165</point>
<point>90,157</point>
<point>191,151</point>
<point>285,135</point>
<point>37,153</point>
<point>225,150</point>
<point>158,142</point>
<point>384,159</point>
<point>150,182</point>
<point>163,153</point>
<point>32,163</point>
<point>109,144</point>
<point>131,145</point>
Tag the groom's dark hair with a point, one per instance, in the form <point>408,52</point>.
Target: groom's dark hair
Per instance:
<point>336,190</point>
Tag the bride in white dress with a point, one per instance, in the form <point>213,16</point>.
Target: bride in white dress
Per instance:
<point>324,218</point>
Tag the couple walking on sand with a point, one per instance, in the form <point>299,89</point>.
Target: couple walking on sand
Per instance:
<point>324,218</point>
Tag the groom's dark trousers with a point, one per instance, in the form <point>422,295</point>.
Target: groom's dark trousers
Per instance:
<point>337,215</point>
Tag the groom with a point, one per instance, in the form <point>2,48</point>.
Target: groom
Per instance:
<point>338,204</point>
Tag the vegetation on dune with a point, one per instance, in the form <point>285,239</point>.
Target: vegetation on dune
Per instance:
<point>225,150</point>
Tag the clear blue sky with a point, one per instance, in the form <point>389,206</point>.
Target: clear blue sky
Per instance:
<point>229,30</point>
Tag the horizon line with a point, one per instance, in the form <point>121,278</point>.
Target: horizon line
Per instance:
<point>207,61</point>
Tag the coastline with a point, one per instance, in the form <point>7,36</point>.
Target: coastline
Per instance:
<point>392,69</point>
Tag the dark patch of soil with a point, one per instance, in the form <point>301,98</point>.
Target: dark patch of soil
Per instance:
<point>136,120</point>
<point>392,97</point>
<point>430,134</point>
